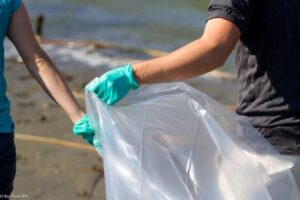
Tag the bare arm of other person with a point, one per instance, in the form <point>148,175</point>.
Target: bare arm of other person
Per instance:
<point>196,58</point>
<point>39,64</point>
<point>199,57</point>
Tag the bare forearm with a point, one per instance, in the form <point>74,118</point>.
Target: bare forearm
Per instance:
<point>199,57</point>
<point>39,64</point>
<point>196,58</point>
<point>47,75</point>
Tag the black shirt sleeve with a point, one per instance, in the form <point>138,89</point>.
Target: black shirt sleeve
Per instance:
<point>238,12</point>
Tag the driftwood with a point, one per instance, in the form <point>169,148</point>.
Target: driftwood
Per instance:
<point>53,141</point>
<point>39,24</point>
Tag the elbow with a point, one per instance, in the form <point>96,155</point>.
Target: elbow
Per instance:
<point>34,57</point>
<point>219,62</point>
<point>215,61</point>
<point>34,64</point>
<point>36,61</point>
<point>219,55</point>
<point>217,52</point>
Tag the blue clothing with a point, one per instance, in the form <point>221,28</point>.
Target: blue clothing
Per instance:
<point>7,8</point>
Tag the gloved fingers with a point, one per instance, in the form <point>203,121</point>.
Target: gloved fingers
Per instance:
<point>106,98</point>
<point>117,91</point>
<point>92,85</point>
<point>89,140</point>
<point>83,129</point>
<point>100,91</point>
<point>84,132</point>
<point>97,144</point>
<point>98,86</point>
<point>113,85</point>
<point>88,137</point>
<point>92,140</point>
<point>114,96</point>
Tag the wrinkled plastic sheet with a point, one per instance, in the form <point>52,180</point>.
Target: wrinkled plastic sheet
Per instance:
<point>172,142</point>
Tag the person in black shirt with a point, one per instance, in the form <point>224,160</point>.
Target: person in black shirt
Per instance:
<point>266,34</point>
<point>268,63</point>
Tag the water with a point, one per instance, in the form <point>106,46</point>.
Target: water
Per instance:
<point>157,24</point>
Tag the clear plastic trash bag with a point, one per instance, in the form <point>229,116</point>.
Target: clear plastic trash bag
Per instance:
<point>172,142</point>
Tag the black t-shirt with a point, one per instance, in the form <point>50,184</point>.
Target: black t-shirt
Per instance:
<point>267,58</point>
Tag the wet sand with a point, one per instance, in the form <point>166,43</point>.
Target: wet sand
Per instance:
<point>52,171</point>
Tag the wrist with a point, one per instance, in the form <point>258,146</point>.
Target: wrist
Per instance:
<point>135,74</point>
<point>76,116</point>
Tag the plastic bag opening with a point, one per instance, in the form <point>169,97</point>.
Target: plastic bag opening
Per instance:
<point>170,141</point>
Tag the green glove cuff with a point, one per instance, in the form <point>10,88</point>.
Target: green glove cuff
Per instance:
<point>133,83</point>
<point>83,127</point>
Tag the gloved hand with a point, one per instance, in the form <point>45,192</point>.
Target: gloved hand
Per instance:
<point>83,128</point>
<point>113,85</point>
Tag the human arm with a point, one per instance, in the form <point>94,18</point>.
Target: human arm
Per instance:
<point>47,75</point>
<point>199,57</point>
<point>196,58</point>
<point>39,64</point>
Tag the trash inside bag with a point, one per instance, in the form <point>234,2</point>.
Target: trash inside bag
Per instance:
<point>172,142</point>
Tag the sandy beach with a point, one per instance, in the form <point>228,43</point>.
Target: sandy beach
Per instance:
<point>49,169</point>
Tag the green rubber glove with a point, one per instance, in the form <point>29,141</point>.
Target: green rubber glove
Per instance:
<point>113,85</point>
<point>84,128</point>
